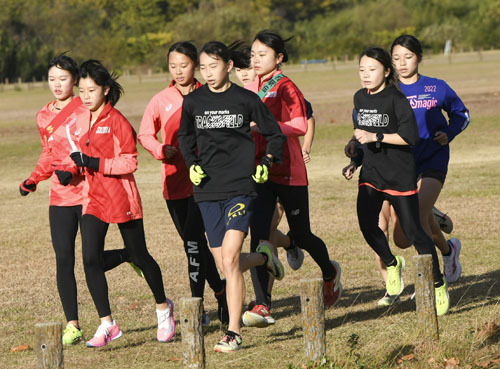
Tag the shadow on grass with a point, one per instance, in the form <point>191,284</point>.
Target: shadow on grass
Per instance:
<point>469,293</point>
<point>399,351</point>
<point>474,291</point>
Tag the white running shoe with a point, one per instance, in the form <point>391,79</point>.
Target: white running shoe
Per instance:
<point>388,300</point>
<point>452,266</point>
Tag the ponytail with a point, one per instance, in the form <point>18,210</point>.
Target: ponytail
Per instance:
<point>98,72</point>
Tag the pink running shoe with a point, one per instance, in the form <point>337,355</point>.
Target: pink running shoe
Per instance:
<point>166,323</point>
<point>105,334</point>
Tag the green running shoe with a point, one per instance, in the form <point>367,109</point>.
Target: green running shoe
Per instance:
<point>442,299</point>
<point>395,284</point>
<point>71,335</point>
<point>274,265</point>
<point>137,269</point>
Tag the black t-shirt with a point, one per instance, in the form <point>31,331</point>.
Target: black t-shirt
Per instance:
<point>387,166</point>
<point>215,134</point>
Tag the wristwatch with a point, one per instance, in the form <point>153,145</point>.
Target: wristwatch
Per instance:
<point>380,136</point>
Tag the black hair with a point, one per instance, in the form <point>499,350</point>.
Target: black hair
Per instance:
<point>98,72</point>
<point>382,56</point>
<point>411,43</point>
<point>64,62</point>
<point>242,58</point>
<point>220,51</point>
<point>274,41</point>
<point>185,48</point>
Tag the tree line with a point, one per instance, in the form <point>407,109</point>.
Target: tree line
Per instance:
<point>130,34</point>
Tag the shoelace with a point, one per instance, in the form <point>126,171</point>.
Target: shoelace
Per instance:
<point>163,319</point>
<point>102,331</point>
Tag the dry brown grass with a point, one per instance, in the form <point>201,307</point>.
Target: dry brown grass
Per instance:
<point>28,292</point>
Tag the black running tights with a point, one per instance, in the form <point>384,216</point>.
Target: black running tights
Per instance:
<point>93,235</point>
<point>201,264</point>
<point>407,208</point>
<point>63,228</point>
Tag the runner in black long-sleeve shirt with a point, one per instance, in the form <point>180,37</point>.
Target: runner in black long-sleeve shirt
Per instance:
<point>216,142</point>
<point>386,127</point>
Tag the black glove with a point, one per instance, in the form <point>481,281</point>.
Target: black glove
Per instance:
<point>64,177</point>
<point>26,187</point>
<point>267,161</point>
<point>82,160</point>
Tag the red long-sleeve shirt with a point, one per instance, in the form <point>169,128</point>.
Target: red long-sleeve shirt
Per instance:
<point>163,113</point>
<point>286,102</point>
<point>111,192</point>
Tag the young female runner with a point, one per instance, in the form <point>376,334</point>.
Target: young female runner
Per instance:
<point>288,180</point>
<point>163,113</point>
<point>386,127</point>
<point>428,98</point>
<point>65,209</point>
<point>216,142</point>
<point>295,256</point>
<point>109,157</point>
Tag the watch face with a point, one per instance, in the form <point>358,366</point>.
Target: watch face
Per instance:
<point>380,136</point>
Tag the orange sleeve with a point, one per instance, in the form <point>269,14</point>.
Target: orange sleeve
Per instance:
<point>148,131</point>
<point>43,169</point>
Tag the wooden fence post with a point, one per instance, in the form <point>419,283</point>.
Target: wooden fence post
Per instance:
<point>313,315</point>
<point>425,298</point>
<point>48,345</point>
<point>191,310</point>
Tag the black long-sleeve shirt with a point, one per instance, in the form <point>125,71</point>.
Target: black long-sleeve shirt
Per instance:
<point>385,166</point>
<point>215,134</point>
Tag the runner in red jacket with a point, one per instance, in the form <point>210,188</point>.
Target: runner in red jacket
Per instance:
<point>288,180</point>
<point>57,120</point>
<point>163,114</point>
<point>109,157</point>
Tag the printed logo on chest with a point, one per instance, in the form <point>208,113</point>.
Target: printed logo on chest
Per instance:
<point>218,119</point>
<point>372,118</point>
<point>423,101</point>
<point>103,130</point>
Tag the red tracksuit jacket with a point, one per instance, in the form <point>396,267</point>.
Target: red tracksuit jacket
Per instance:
<point>286,102</point>
<point>55,154</point>
<point>111,193</point>
<point>163,113</point>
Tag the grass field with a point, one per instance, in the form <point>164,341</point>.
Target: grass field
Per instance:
<point>359,333</point>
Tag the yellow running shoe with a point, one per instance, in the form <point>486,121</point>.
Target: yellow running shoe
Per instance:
<point>442,299</point>
<point>395,284</point>
<point>71,335</point>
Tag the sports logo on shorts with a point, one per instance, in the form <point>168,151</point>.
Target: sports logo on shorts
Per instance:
<point>236,210</point>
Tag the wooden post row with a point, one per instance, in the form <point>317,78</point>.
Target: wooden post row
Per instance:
<point>48,345</point>
<point>313,315</point>
<point>191,310</point>
<point>427,323</point>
